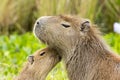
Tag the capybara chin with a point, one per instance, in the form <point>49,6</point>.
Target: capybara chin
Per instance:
<point>39,65</point>
<point>79,43</point>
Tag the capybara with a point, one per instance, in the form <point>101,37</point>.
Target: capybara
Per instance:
<point>39,65</point>
<point>79,43</point>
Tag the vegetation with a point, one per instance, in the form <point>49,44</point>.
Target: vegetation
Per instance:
<point>14,50</point>
<point>20,15</point>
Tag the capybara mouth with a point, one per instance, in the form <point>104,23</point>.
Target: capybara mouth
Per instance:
<point>59,58</point>
<point>39,33</point>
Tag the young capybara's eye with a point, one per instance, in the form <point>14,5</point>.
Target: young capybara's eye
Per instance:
<point>65,25</point>
<point>41,54</point>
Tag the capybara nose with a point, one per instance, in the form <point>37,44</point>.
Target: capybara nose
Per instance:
<point>38,23</point>
<point>42,20</point>
<point>31,59</point>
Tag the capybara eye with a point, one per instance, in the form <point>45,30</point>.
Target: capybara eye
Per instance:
<point>42,53</point>
<point>65,25</point>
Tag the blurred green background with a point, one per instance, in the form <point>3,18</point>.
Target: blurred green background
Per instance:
<point>17,18</point>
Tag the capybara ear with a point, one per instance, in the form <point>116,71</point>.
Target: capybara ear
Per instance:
<point>85,26</point>
<point>31,59</point>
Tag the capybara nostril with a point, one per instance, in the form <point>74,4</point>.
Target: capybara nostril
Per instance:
<point>38,22</point>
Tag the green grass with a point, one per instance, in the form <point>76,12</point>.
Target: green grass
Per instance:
<point>114,41</point>
<point>15,48</point>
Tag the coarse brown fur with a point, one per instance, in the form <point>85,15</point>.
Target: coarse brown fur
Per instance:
<point>39,65</point>
<point>79,43</point>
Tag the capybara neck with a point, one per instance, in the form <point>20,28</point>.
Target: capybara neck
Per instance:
<point>89,57</point>
<point>31,74</point>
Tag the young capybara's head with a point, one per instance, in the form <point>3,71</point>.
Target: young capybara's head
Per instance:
<point>39,65</point>
<point>62,31</point>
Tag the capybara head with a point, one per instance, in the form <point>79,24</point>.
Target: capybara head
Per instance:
<point>62,31</point>
<point>39,65</point>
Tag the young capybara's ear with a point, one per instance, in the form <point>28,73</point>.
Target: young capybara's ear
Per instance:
<point>31,59</point>
<point>85,26</point>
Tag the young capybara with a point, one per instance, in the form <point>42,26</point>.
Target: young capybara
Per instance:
<point>39,65</point>
<point>79,43</point>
